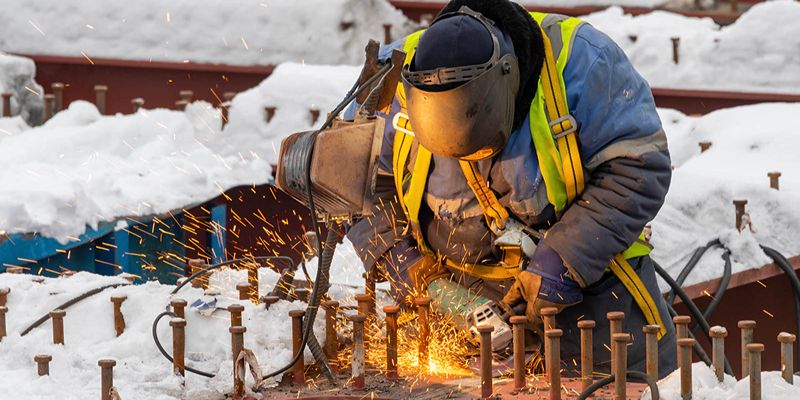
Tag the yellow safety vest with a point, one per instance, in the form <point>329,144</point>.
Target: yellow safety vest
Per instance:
<point>554,137</point>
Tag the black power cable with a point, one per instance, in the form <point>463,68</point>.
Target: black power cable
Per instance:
<point>589,391</point>
<point>784,265</point>
<point>69,303</point>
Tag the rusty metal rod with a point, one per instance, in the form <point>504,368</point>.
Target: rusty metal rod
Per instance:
<point>186,95</point>
<point>3,311</point>
<point>358,366</point>
<point>236,314</point>
<point>486,360</point>
<point>57,316</point>
<point>620,365</point>
<point>423,321</point>
<point>787,356</point>
<point>4,292</point>
<point>651,349</point>
<point>49,105</point>
<point>746,328</point>
<point>704,145</point>
<point>615,326</point>
<point>252,279</point>
<point>269,113</point>
<point>740,211</point>
<point>244,290</point>
<point>685,364</point>
<point>391,342</point>
<point>549,317</point>
<point>179,307</point>
<point>106,378</point>
<point>178,345</point>
<point>587,353</point>
<point>6,104</point>
<point>43,364</point>
<point>119,319</point>
<point>298,370</point>
<point>58,94</point>
<point>237,339</point>
<point>387,33</point>
<point>194,266</point>
<point>774,180</point>
<point>754,351</point>
<point>676,42</point>
<point>331,346</point>
<point>363,300</point>
<point>518,325</point>
<point>553,362</point>
<point>100,92</point>
<point>718,335</point>
<point>136,104</point>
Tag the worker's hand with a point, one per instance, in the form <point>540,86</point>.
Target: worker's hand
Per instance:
<point>543,284</point>
<point>409,271</point>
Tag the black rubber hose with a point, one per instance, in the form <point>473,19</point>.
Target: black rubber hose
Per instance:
<point>787,268</point>
<point>690,265</point>
<point>69,303</point>
<point>212,267</point>
<point>723,287</point>
<point>164,352</point>
<point>589,391</point>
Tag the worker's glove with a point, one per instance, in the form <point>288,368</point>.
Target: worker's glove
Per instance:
<point>409,271</point>
<point>544,283</point>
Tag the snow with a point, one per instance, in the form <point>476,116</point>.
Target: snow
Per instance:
<point>743,56</point>
<point>17,77</point>
<point>706,387</point>
<point>580,3</point>
<point>233,32</point>
<point>141,371</point>
<point>747,143</point>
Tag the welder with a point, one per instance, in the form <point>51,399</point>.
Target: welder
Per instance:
<point>525,157</point>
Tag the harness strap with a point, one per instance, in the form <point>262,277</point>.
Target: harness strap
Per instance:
<point>496,215</point>
<point>633,283</point>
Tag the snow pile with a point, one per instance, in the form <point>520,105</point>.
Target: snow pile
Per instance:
<point>745,56</point>
<point>293,89</point>
<point>706,387</point>
<point>81,168</point>
<point>747,143</point>
<point>234,32</point>
<point>141,371</point>
<point>17,77</point>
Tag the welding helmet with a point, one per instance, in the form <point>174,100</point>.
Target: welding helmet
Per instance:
<point>461,86</point>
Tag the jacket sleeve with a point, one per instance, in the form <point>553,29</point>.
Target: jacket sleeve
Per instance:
<point>624,151</point>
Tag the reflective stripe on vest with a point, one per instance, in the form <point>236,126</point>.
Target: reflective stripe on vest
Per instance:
<point>554,133</point>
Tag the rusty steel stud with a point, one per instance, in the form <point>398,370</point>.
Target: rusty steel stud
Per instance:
<point>15,270</point>
<point>3,311</point>
<point>549,317</point>
<point>301,294</point>
<point>620,365</point>
<point>718,335</point>
<point>186,95</point>
<point>681,325</point>
<point>178,345</point>
<point>358,367</point>
<point>244,290</point>
<point>676,42</point>
<point>298,370</point>
<point>228,96</point>
<point>180,105</point>
<point>106,378</point>
<point>704,145</point>
<point>38,279</point>
<point>49,106</point>
<point>178,307</point>
<point>43,364</point>
<point>365,304</point>
<point>740,211</point>
<point>746,327</point>
<point>100,92</point>
<point>193,267</point>
<point>252,279</point>
<point>269,113</point>
<point>754,351</point>
<point>137,103</point>
<point>6,104</point>
<point>391,341</point>
<point>774,181</point>
<point>369,289</point>
<point>587,354</point>
<point>387,33</point>
<point>270,300</point>
<point>4,292</point>
<point>236,314</point>
<point>651,349</point>
<point>615,326</point>
<point>131,278</point>
<point>68,273</point>
<point>314,112</point>
<point>553,361</point>
<point>119,319</point>
<point>224,110</point>
<point>423,320</point>
<point>787,356</point>
<point>345,25</point>
<point>633,38</point>
<point>518,325</point>
<point>685,365</point>
<point>58,94</point>
<point>237,341</point>
<point>486,360</point>
<point>331,346</point>
<point>57,316</point>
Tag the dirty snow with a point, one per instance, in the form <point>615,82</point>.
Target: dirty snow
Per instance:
<point>141,371</point>
<point>233,32</point>
<point>706,387</point>
<point>744,56</point>
<point>747,143</point>
<point>17,77</point>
